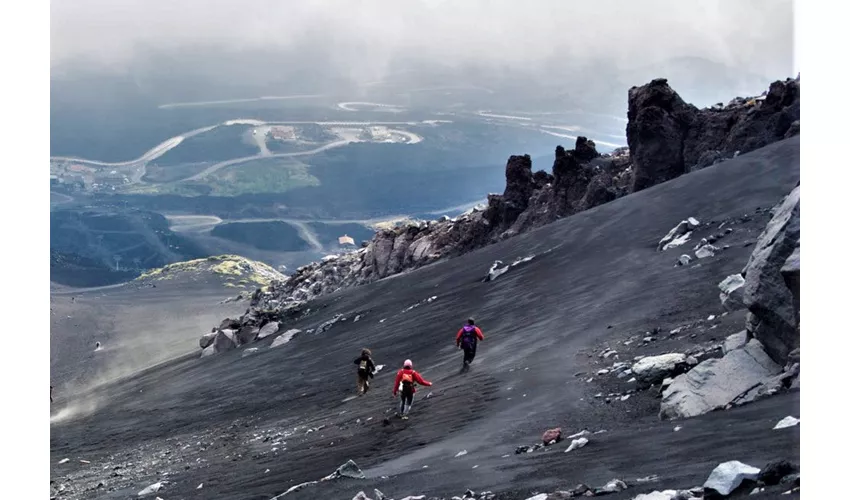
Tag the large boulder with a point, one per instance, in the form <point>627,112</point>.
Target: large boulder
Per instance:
<point>225,340</point>
<point>247,334</point>
<point>654,369</point>
<point>715,383</point>
<point>774,307</point>
<point>207,339</point>
<point>774,471</point>
<point>728,476</point>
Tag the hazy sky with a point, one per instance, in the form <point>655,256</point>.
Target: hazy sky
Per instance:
<point>362,37</point>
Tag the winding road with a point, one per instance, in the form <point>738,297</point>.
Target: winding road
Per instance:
<point>218,166</point>
<point>152,154</point>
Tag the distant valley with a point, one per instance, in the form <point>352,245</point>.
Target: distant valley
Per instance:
<point>139,182</point>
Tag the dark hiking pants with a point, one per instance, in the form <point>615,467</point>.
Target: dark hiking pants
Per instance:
<point>405,401</point>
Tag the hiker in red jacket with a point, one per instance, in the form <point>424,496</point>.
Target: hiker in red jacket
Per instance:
<point>467,339</point>
<point>406,378</point>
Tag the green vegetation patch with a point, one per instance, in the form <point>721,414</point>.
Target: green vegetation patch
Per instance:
<point>268,175</point>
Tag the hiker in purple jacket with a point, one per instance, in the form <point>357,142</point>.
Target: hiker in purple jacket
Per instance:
<point>467,339</point>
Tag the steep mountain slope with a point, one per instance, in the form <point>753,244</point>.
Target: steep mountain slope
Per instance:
<point>253,426</point>
<point>145,321</point>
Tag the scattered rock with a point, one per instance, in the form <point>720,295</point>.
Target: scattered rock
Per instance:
<point>249,351</point>
<point>683,260</point>
<point>706,251</point>
<point>654,369</point>
<point>775,471</point>
<point>793,479</point>
<point>285,337</point>
<point>460,453</point>
<point>717,382</point>
<point>582,433</point>
<point>207,339</point>
<point>677,236</point>
<point>612,486</point>
<point>225,340</point>
<point>498,268</point>
<point>552,436</point>
<point>786,422</point>
<point>327,325</point>
<point>269,328</point>
<point>576,444</point>
<point>349,469</point>
<point>665,495</point>
<point>728,476</point>
<point>150,490</point>
<point>64,461</point>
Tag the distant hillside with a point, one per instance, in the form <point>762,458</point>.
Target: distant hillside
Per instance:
<point>234,272</point>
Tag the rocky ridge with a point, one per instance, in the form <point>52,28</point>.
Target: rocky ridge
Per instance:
<point>666,136</point>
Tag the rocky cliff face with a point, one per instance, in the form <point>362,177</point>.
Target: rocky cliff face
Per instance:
<point>667,138</point>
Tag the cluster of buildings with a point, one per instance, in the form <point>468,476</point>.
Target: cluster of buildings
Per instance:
<point>76,177</point>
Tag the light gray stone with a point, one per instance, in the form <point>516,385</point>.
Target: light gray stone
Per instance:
<point>726,477</point>
<point>786,422</point>
<point>680,232</point>
<point>268,329</point>
<point>207,339</point>
<point>285,337</point>
<point>706,251</point>
<point>576,444</point>
<point>714,383</point>
<point>654,369</point>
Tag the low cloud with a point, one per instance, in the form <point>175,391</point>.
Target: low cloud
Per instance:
<point>365,39</point>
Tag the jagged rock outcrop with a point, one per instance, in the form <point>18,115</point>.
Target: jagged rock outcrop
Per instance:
<point>772,277</point>
<point>668,137</point>
<point>659,121</point>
